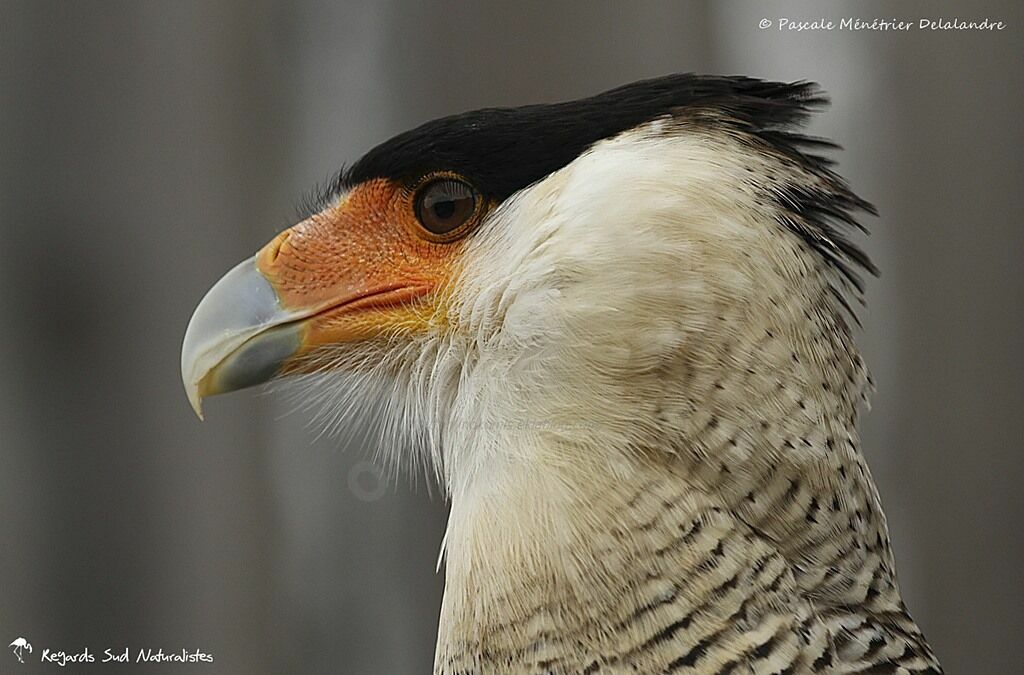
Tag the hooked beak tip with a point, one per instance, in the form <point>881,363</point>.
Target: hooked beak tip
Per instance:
<point>196,401</point>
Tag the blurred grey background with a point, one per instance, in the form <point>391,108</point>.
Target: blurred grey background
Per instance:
<point>145,147</point>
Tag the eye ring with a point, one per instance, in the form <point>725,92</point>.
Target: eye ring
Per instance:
<point>446,207</point>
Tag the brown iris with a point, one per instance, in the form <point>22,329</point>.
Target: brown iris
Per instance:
<point>446,207</point>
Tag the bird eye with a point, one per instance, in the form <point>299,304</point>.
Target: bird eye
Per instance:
<point>443,205</point>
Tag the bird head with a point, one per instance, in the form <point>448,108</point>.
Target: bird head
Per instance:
<point>579,274</point>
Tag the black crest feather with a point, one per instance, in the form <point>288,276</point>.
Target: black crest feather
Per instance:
<point>503,150</point>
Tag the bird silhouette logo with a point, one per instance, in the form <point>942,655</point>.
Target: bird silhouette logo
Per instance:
<point>19,646</point>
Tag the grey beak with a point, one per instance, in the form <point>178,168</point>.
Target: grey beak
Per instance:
<point>239,336</point>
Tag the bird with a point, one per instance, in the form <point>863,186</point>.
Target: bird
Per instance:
<point>620,332</point>
<point>18,646</point>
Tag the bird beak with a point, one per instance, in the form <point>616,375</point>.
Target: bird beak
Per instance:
<point>352,272</point>
<point>240,335</point>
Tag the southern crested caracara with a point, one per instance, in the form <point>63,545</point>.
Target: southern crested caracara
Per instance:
<point>619,329</point>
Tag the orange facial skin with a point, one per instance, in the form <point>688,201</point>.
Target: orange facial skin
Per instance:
<point>360,269</point>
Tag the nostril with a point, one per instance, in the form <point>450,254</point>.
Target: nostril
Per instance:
<point>275,246</point>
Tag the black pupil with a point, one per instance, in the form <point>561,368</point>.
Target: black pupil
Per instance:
<point>444,210</point>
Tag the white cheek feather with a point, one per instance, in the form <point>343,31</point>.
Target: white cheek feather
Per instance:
<point>580,288</point>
